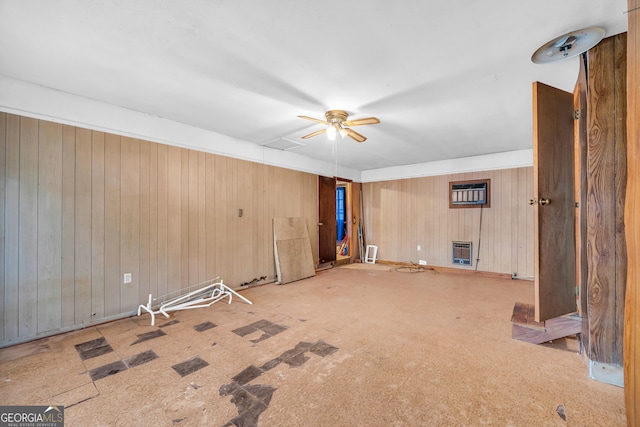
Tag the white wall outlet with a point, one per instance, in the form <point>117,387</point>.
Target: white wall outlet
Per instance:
<point>422,262</point>
<point>419,247</point>
<point>127,277</point>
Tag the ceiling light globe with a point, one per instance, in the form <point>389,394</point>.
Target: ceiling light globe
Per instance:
<point>331,133</point>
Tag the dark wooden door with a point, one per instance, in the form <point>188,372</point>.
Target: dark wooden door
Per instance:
<point>554,202</point>
<point>327,219</point>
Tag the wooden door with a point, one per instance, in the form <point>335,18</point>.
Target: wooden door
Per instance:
<point>326,219</point>
<point>632,222</point>
<point>554,204</point>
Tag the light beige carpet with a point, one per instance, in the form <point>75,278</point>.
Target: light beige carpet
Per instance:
<point>355,346</point>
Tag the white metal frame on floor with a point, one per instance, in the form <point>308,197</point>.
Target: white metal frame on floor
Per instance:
<point>206,294</point>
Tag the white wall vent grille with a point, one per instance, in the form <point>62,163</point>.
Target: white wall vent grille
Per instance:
<point>461,252</point>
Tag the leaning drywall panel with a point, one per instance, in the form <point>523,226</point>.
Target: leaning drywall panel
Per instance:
<point>292,248</point>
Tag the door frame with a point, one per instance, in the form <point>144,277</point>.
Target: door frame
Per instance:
<point>326,220</point>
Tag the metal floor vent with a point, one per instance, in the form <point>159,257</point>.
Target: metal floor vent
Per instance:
<point>461,253</point>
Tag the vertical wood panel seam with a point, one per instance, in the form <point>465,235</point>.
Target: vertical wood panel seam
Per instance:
<point>3,201</point>
<point>16,265</point>
<point>61,127</point>
<point>37,215</point>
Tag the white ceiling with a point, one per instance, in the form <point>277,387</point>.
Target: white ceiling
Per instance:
<point>446,79</point>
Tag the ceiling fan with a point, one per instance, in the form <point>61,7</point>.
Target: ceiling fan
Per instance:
<point>338,123</point>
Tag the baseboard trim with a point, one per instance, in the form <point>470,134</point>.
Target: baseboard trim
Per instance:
<point>606,373</point>
<point>446,269</point>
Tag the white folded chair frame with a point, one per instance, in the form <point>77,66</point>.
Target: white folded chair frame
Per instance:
<point>207,294</point>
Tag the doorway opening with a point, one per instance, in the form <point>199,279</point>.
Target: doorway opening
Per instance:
<point>343,221</point>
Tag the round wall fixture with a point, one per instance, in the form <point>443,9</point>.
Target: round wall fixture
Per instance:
<point>568,45</point>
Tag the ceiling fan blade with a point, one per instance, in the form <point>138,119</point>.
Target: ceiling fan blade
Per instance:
<point>314,120</point>
<point>318,132</point>
<point>355,135</point>
<point>360,122</point>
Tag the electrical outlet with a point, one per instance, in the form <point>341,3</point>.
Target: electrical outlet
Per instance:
<point>419,247</point>
<point>127,277</point>
<point>422,262</point>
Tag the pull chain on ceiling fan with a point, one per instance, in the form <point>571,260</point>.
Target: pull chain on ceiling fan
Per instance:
<point>338,123</point>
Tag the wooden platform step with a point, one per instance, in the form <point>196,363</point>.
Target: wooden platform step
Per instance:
<point>525,328</point>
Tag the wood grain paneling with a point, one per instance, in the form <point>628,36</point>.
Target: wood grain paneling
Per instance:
<point>194,217</point>
<point>232,242</point>
<point>83,216</point>
<point>12,235</point>
<point>68,224</point>
<point>174,219</point>
<point>273,192</point>
<point>210,215</point>
<point>49,173</point>
<point>606,179</point>
<point>3,183</point>
<point>307,184</point>
<point>632,222</point>
<point>202,217</point>
<point>401,214</point>
<point>130,223</point>
<point>79,208</point>
<point>580,188</point>
<point>154,233</point>
<point>248,231</point>
<point>620,186</point>
<point>163,223</point>
<point>97,226</point>
<point>112,244</point>
<point>220,219</point>
<point>518,220</point>
<point>506,231</point>
<point>185,280</point>
<point>144,229</point>
<point>28,228</point>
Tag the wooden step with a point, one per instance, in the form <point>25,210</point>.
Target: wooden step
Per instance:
<point>525,328</point>
<point>524,315</point>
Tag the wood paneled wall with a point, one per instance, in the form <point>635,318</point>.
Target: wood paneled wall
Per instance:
<point>606,185</point>
<point>402,214</point>
<point>80,208</point>
<point>632,222</point>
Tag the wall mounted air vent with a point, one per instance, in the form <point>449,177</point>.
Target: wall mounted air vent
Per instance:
<point>461,253</point>
<point>470,194</point>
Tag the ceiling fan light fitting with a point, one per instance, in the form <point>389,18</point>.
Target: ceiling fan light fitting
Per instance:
<point>331,133</point>
<point>336,116</point>
<point>337,123</point>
